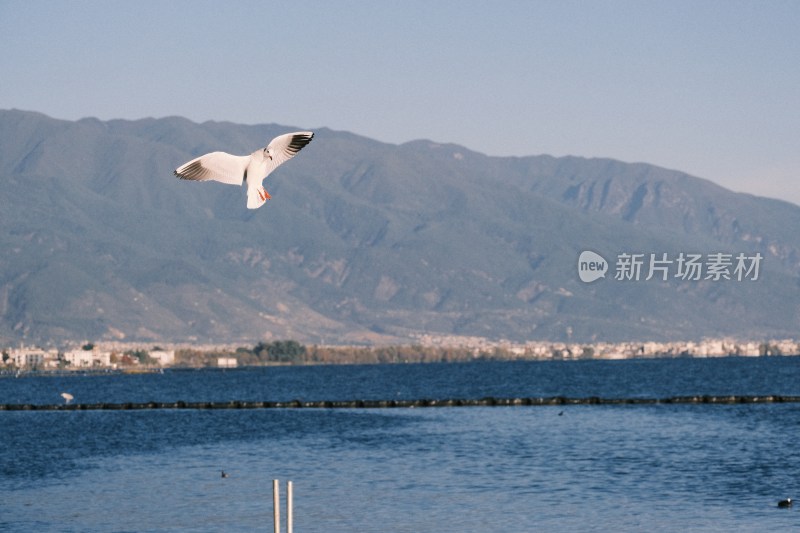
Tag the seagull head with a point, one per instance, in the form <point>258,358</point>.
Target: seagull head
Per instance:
<point>267,154</point>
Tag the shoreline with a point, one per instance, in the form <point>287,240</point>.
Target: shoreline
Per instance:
<point>155,369</point>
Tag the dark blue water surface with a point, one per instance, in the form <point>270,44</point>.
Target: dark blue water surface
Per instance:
<point>639,378</point>
<point>657,467</point>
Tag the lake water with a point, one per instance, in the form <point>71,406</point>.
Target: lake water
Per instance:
<point>658,467</point>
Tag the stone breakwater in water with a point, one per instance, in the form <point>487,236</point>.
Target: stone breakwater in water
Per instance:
<point>379,404</point>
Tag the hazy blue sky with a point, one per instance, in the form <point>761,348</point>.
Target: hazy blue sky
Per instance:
<point>708,87</point>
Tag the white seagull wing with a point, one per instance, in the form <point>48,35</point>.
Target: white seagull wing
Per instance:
<point>217,166</point>
<point>284,147</point>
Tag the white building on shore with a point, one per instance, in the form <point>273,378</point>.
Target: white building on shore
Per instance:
<point>87,358</point>
<point>31,357</point>
<point>164,357</point>
<point>227,362</point>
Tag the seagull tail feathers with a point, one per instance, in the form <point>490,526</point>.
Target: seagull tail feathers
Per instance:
<point>256,197</point>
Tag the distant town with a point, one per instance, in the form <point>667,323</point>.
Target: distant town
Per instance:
<point>139,357</point>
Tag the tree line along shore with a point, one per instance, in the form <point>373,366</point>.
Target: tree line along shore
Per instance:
<point>292,352</point>
<point>138,357</point>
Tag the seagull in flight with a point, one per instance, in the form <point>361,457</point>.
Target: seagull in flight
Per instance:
<point>250,169</point>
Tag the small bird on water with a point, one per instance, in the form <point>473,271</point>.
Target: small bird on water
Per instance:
<point>249,169</point>
<point>223,473</point>
<point>785,503</point>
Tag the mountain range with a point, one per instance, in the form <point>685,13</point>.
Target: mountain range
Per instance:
<point>368,242</point>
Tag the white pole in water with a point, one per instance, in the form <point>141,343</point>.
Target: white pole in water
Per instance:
<point>276,506</point>
<point>289,511</point>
